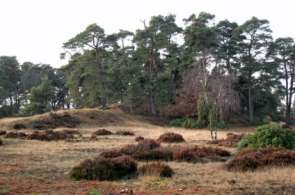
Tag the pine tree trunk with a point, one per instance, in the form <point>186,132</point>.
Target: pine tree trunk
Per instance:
<point>250,105</point>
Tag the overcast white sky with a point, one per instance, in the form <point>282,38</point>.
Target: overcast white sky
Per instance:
<point>34,30</point>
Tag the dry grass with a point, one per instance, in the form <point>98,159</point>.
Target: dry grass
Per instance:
<point>28,166</point>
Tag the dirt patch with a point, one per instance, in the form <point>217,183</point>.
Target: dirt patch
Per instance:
<point>251,159</point>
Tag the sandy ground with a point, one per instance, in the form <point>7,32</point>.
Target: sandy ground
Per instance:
<point>38,167</point>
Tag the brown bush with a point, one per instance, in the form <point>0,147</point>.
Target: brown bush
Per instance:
<point>50,135</point>
<point>125,133</point>
<point>1,142</point>
<point>154,154</point>
<point>102,132</point>
<point>251,159</point>
<point>19,126</point>
<point>104,169</point>
<point>2,132</point>
<point>171,137</point>
<point>199,154</point>
<point>139,138</point>
<point>156,169</point>
<point>56,120</point>
<point>19,135</point>
<point>144,145</point>
<point>111,154</point>
<point>231,140</point>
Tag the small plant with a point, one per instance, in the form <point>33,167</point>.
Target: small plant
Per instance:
<point>1,142</point>
<point>144,145</point>
<point>156,169</point>
<point>111,154</point>
<point>271,135</point>
<point>171,137</point>
<point>2,132</point>
<point>154,154</point>
<point>19,126</point>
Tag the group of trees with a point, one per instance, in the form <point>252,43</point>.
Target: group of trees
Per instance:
<point>163,69</point>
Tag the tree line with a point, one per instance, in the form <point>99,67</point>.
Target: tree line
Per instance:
<point>163,69</point>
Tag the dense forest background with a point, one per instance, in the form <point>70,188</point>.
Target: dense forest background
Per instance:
<point>237,70</point>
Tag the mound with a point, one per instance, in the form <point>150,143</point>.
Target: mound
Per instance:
<point>100,132</point>
<point>125,133</point>
<point>104,169</point>
<point>159,153</point>
<point>171,137</point>
<point>199,154</point>
<point>155,169</point>
<point>251,159</point>
<point>231,140</point>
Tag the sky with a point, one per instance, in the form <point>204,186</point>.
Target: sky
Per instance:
<point>34,30</point>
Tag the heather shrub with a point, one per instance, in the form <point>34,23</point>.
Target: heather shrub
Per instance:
<point>19,135</point>
<point>251,159</point>
<point>111,154</point>
<point>144,145</point>
<point>1,142</point>
<point>199,154</point>
<point>154,154</point>
<point>155,169</point>
<point>125,133</point>
<point>100,132</point>
<point>231,140</point>
<point>271,135</point>
<point>18,126</point>
<point>104,169</point>
<point>139,138</point>
<point>171,137</point>
<point>2,132</point>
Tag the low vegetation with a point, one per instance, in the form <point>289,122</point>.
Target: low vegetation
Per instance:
<point>271,135</point>
<point>2,132</point>
<point>199,154</point>
<point>155,169</point>
<point>252,159</point>
<point>1,142</point>
<point>105,169</point>
<point>15,134</point>
<point>125,133</point>
<point>100,132</point>
<point>171,137</point>
<point>231,140</point>
<point>139,138</point>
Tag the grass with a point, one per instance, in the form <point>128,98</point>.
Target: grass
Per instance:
<point>28,166</point>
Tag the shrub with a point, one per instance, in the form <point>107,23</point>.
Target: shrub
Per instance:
<point>139,138</point>
<point>111,154</point>
<point>156,169</point>
<point>50,135</point>
<point>19,126</point>
<point>185,123</point>
<point>199,154</point>
<point>2,132</point>
<point>102,132</point>
<point>272,135</point>
<point>1,142</point>
<point>231,140</point>
<point>251,159</point>
<point>171,137</point>
<point>104,169</point>
<point>154,154</point>
<point>144,145</point>
<point>20,135</point>
<point>125,133</point>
